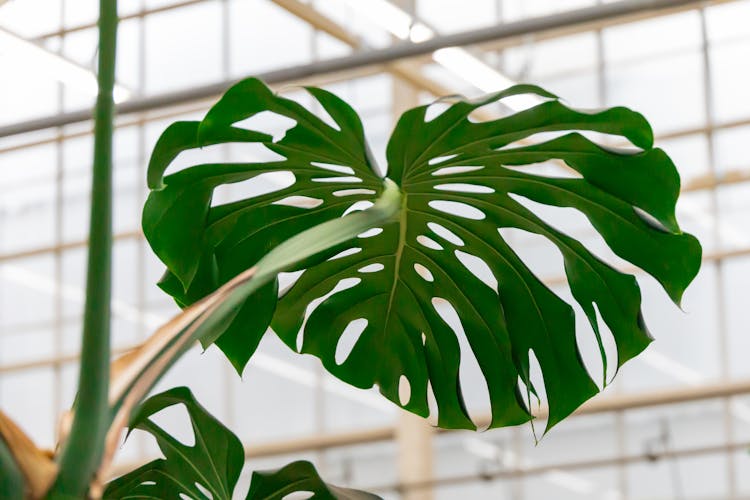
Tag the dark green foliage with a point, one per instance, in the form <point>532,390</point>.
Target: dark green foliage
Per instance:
<point>628,196</point>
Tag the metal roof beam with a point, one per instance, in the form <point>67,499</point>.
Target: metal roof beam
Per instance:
<point>396,52</point>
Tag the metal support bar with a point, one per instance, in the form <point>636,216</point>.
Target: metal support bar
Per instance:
<point>374,57</point>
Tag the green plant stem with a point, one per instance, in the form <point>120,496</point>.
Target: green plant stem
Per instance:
<point>82,451</point>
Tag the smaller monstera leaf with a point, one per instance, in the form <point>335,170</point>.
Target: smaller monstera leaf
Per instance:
<point>209,469</point>
<point>299,477</point>
<point>214,461</point>
<point>377,312</point>
<point>204,246</point>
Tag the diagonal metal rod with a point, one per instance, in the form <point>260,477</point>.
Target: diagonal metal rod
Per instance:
<point>624,8</point>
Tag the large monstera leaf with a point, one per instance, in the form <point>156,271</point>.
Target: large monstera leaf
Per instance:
<point>459,185</point>
<point>210,468</point>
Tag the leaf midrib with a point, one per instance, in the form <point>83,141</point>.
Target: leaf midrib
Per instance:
<point>402,224</point>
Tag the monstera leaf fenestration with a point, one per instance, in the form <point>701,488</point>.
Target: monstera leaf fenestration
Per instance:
<point>459,186</point>
<point>210,468</point>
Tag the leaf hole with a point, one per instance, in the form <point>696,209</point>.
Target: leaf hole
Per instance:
<point>268,122</point>
<point>342,285</point>
<point>287,280</point>
<point>573,222</point>
<point>536,376</point>
<point>184,496</point>
<point>371,232</point>
<point>435,109</point>
<point>341,169</point>
<point>478,268</point>
<point>177,419</point>
<point>471,378</point>
<point>457,208</point>
<point>425,274</point>
<point>486,113</point>
<point>372,268</point>
<point>218,153</point>
<point>299,202</point>
<point>204,490</point>
<point>358,206</point>
<point>586,342</point>
<point>610,346</point>
<point>548,169</point>
<point>259,185</point>
<point>538,254</point>
<point>346,253</point>
<point>336,179</point>
<point>432,404</point>
<point>441,159</point>
<point>600,139</point>
<point>322,113</point>
<point>351,192</point>
<point>348,339</point>
<point>404,390</point>
<point>532,140</point>
<point>428,242</point>
<point>615,143</point>
<point>445,233</point>
<point>456,170</point>
<point>298,495</point>
<point>650,220</point>
<point>588,347</point>
<point>465,188</point>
